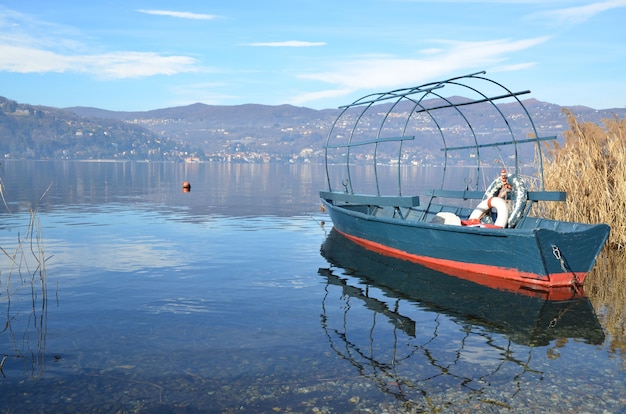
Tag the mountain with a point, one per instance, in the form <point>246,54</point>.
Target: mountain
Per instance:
<point>251,130</point>
<point>239,133</point>
<point>40,132</point>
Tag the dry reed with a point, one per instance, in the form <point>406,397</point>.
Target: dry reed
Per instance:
<point>26,314</point>
<point>591,168</point>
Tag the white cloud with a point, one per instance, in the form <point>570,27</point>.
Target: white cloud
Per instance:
<point>375,73</point>
<point>178,14</point>
<point>431,51</point>
<point>287,43</point>
<point>580,14</point>
<point>135,64</point>
<point>320,96</point>
<point>115,65</point>
<point>512,68</point>
<point>31,46</point>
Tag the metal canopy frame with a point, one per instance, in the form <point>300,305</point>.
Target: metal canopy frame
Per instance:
<point>421,99</point>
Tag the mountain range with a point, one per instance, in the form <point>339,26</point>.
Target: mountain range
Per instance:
<point>199,132</point>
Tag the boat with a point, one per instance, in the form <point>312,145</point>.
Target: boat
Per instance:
<point>481,217</point>
<point>526,316</point>
<point>414,331</point>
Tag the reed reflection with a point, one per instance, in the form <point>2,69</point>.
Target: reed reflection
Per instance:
<point>607,291</point>
<point>416,332</point>
<point>24,303</point>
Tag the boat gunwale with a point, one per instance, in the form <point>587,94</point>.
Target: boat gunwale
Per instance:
<point>576,227</point>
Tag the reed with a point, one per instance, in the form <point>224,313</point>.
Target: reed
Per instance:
<point>591,168</point>
<point>24,297</point>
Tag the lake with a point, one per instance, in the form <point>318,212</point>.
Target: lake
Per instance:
<point>122,293</point>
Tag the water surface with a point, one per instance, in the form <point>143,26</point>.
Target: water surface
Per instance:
<point>238,297</point>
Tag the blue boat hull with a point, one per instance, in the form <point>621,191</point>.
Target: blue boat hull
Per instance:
<point>538,251</point>
<point>495,310</point>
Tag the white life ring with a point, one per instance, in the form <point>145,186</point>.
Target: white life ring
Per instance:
<point>492,202</point>
<point>519,196</point>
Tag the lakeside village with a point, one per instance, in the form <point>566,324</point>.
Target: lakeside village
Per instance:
<point>42,133</point>
<point>305,144</point>
<point>295,145</point>
<point>38,137</point>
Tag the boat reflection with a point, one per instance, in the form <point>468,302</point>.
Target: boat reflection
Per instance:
<point>441,328</point>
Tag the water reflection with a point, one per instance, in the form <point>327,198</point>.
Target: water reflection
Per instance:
<point>414,331</point>
<point>218,188</point>
<point>23,303</point>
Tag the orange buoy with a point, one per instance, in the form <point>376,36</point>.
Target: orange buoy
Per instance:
<point>186,187</point>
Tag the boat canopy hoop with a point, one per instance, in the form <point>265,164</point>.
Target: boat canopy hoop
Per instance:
<point>465,121</point>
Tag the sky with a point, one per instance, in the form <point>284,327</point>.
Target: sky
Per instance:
<point>137,55</point>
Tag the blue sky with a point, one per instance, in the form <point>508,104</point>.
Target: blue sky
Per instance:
<point>140,55</point>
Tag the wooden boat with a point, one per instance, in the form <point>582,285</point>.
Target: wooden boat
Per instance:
<point>414,332</point>
<point>470,227</point>
<point>524,314</point>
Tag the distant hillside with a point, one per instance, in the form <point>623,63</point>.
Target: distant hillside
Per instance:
<point>240,133</point>
<point>39,132</point>
<point>279,133</point>
<point>248,114</point>
<point>260,131</point>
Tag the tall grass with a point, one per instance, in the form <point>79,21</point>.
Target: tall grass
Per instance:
<point>24,301</point>
<point>591,167</point>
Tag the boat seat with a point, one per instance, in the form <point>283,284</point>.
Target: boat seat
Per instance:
<point>464,194</point>
<point>547,195</point>
<point>472,194</point>
<point>366,199</point>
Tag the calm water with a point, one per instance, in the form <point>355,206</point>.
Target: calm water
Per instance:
<point>237,297</point>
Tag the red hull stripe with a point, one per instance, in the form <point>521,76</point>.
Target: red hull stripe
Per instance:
<point>492,276</point>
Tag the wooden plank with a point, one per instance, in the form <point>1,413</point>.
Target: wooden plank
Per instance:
<point>547,195</point>
<point>468,195</point>
<point>372,200</point>
<point>464,194</point>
